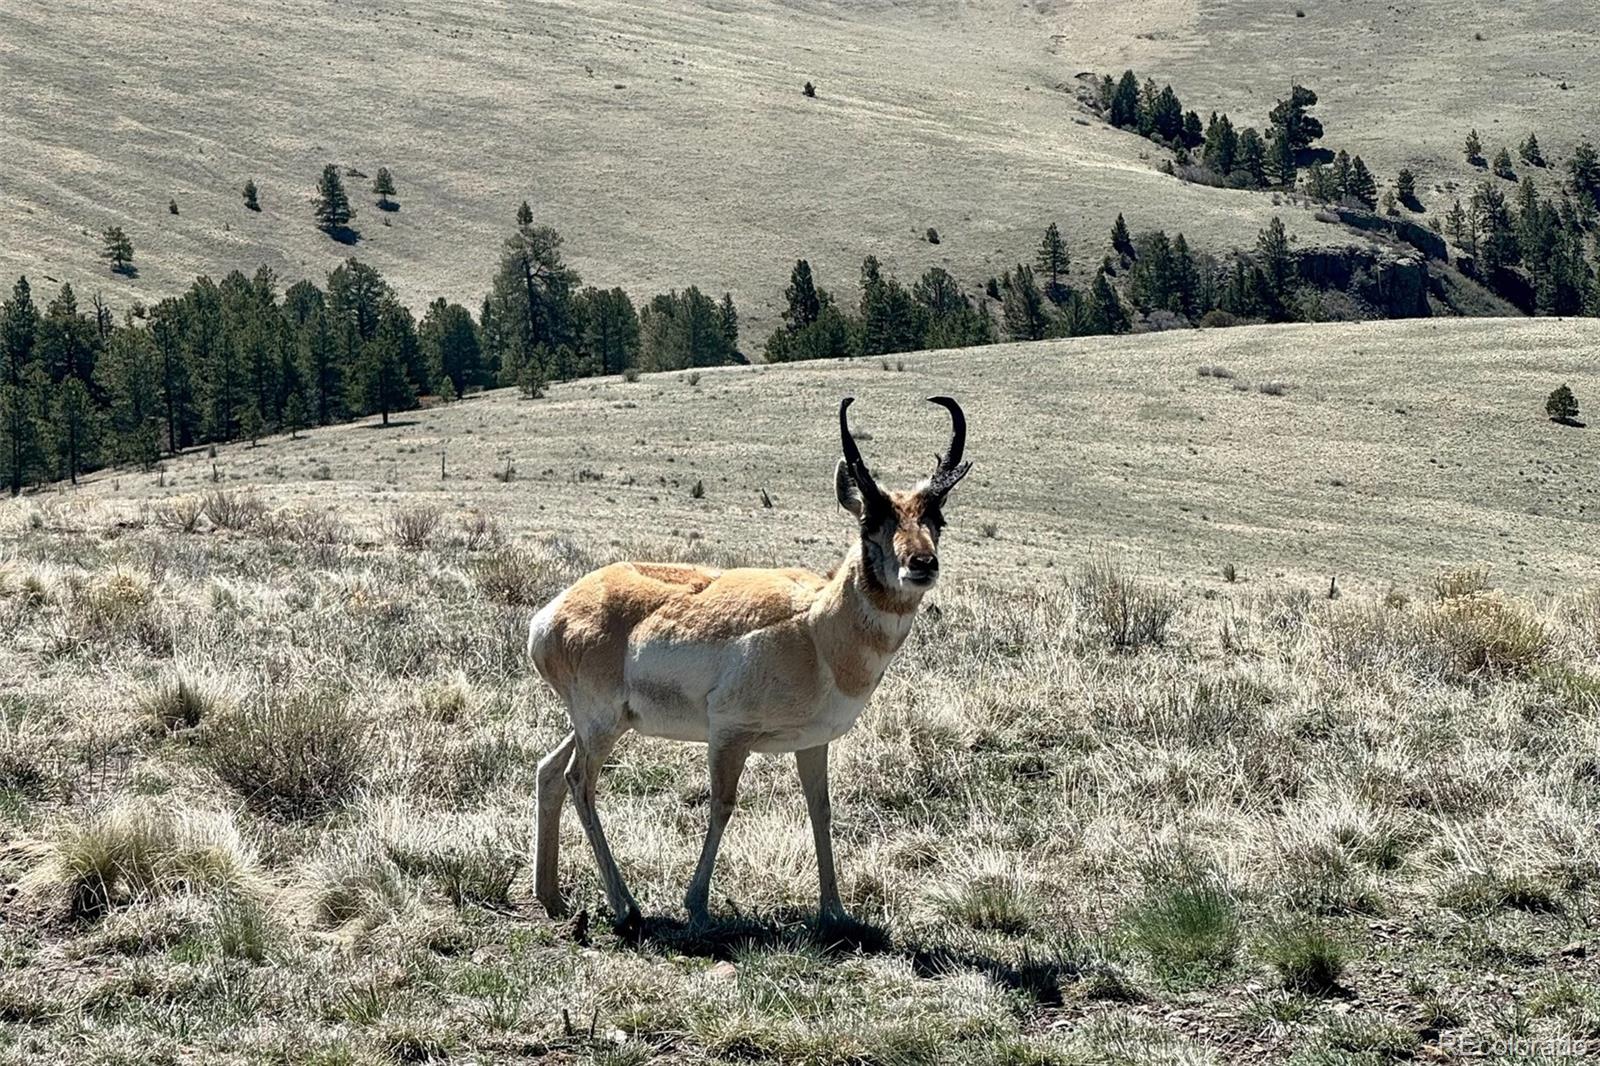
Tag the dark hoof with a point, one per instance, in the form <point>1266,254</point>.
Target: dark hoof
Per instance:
<point>630,925</point>
<point>838,928</point>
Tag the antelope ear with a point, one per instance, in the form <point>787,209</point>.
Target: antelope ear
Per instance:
<point>844,487</point>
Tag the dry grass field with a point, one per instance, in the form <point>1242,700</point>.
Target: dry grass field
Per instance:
<point>670,143</point>
<point>1137,791</point>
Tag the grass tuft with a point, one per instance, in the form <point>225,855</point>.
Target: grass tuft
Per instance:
<point>295,755</point>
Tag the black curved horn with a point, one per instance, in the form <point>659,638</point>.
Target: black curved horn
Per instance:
<point>852,453</point>
<point>958,432</point>
<point>950,468</point>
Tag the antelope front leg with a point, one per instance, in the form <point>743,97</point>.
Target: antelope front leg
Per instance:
<point>727,763</point>
<point>813,766</point>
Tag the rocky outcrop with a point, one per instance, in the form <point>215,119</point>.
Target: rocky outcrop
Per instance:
<point>1404,230</point>
<point>1394,284</point>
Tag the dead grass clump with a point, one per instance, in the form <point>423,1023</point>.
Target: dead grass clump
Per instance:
<point>180,704</point>
<point>412,528</point>
<point>520,577</point>
<point>182,515</point>
<point>140,849</point>
<point>238,511</point>
<point>292,756</point>
<point>1131,615</point>
<point>481,530</point>
<point>1465,582</point>
<point>1482,633</point>
<point>355,884</point>
<point>470,859</point>
<point>113,601</point>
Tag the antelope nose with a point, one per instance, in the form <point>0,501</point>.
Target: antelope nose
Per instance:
<point>928,564</point>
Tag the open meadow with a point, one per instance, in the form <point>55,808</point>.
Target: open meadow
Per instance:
<point>1138,788</point>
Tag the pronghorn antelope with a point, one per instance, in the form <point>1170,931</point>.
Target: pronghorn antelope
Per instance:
<point>739,660</point>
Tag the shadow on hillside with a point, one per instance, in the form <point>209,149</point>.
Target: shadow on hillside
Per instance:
<point>344,234</point>
<point>393,423</point>
<point>724,938</point>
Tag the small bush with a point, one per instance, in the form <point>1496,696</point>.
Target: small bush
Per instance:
<point>237,511</point>
<point>1561,405</point>
<point>698,491</point>
<point>293,756</point>
<point>480,530</point>
<point>1273,388</point>
<point>693,379</point>
<point>1465,582</point>
<point>514,577</point>
<point>181,515</point>
<point>1306,957</point>
<point>932,235</point>
<point>631,374</point>
<point>412,528</point>
<point>1485,634</point>
<point>1131,615</point>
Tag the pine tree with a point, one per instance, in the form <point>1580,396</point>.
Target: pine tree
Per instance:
<point>1221,145</point>
<point>1276,261</point>
<point>321,366</point>
<point>1252,160</point>
<point>804,303</point>
<point>332,204</point>
<point>20,384</point>
<point>1166,117</point>
<point>74,425</point>
<point>1125,102</point>
<point>1053,262</point>
<point>118,250</point>
<point>1289,116</point>
<point>728,314</point>
<point>383,185</point>
<point>450,346</point>
<point>130,377</point>
<point>1562,406</point>
<point>1405,187</point>
<point>1584,168</point>
<point>1502,165</point>
<point>1363,186</point>
<point>252,201</point>
<point>1341,173</point>
<point>1105,312</point>
<point>297,413</point>
<point>1530,151</point>
<point>1121,243</point>
<point>1280,166</point>
<point>610,330</point>
<point>1499,247</point>
<point>1193,134</point>
<point>381,376</point>
<point>1455,223</point>
<point>1474,149</point>
<point>1023,306</point>
<point>530,314</point>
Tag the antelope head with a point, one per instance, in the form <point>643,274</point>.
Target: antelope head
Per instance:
<point>900,530</point>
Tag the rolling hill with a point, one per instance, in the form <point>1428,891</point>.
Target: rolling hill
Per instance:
<point>670,143</point>
<point>1396,450</point>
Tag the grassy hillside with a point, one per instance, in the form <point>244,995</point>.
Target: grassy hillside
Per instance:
<point>1399,84</point>
<point>670,143</point>
<point>1397,449</point>
<point>267,742</point>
